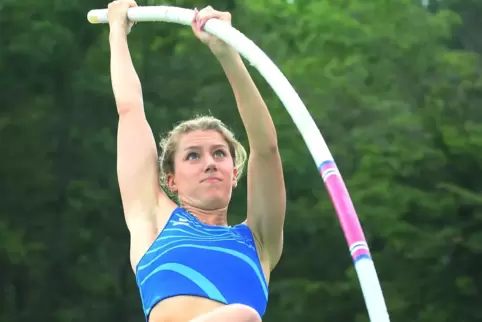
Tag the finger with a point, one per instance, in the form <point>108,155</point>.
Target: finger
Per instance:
<point>194,26</point>
<point>196,31</point>
<point>207,9</point>
<point>202,19</point>
<point>225,16</point>
<point>205,16</point>
<point>194,18</point>
<point>200,23</point>
<point>131,4</point>
<point>206,12</point>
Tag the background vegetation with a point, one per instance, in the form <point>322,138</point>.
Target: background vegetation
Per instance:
<point>395,87</point>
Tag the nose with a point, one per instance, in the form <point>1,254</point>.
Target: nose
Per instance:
<point>210,164</point>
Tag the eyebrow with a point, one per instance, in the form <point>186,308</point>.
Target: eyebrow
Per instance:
<point>197,147</point>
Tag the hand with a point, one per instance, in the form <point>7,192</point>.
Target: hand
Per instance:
<point>217,46</point>
<point>117,14</point>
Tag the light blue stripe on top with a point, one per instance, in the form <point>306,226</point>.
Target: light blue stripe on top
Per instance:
<point>194,277</point>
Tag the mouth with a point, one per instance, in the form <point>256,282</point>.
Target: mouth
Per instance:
<point>211,180</point>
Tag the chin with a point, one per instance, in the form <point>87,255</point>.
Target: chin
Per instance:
<point>214,201</point>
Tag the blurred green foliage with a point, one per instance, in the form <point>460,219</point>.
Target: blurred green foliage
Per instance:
<point>395,88</point>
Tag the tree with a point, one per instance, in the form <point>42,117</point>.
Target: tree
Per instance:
<point>394,88</point>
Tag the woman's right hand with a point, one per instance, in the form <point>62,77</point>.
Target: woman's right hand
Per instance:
<point>117,14</point>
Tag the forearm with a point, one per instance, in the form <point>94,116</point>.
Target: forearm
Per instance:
<point>125,81</point>
<point>252,108</point>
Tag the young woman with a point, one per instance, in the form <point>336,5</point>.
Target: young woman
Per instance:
<point>189,264</point>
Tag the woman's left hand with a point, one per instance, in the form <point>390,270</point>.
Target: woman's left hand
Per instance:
<point>217,46</point>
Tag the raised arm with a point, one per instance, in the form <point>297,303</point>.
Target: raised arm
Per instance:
<point>136,148</point>
<point>266,188</point>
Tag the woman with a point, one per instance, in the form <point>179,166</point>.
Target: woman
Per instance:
<point>189,264</point>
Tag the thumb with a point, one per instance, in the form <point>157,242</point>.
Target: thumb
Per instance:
<point>194,24</point>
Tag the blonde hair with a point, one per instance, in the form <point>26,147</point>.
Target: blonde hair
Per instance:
<point>169,144</point>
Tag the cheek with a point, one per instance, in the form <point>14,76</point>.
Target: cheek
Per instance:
<point>181,173</point>
<point>187,173</point>
<point>227,168</point>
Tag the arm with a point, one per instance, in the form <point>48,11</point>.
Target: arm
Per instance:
<point>266,188</point>
<point>136,149</point>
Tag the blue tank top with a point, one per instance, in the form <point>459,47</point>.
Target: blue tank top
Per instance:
<point>192,258</point>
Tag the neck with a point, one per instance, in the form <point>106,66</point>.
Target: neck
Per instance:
<point>214,217</point>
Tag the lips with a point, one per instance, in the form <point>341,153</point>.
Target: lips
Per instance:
<point>211,180</point>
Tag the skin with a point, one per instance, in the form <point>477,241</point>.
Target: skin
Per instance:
<point>204,175</point>
<point>199,155</point>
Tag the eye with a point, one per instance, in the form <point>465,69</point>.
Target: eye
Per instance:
<point>219,154</point>
<point>192,156</point>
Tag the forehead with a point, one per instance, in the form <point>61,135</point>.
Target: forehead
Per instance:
<point>201,138</point>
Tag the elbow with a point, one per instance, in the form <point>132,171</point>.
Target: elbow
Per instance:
<point>127,97</point>
<point>268,146</point>
<point>272,148</point>
<point>128,106</point>
<point>268,150</point>
<point>265,144</point>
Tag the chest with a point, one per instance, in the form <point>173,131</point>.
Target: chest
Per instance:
<point>185,240</point>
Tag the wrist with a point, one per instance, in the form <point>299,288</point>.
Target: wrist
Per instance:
<point>227,56</point>
<point>118,30</point>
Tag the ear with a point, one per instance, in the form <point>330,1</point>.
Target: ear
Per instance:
<point>235,178</point>
<point>171,183</point>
